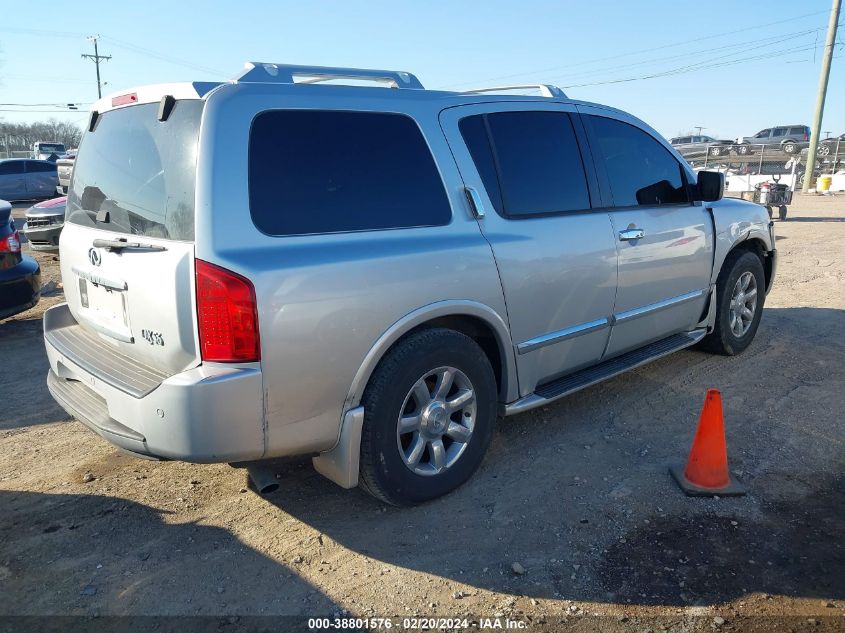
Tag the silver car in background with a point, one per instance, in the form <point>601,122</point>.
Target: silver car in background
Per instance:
<point>44,223</point>
<point>281,265</point>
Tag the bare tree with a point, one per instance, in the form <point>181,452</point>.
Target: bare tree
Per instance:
<point>21,136</point>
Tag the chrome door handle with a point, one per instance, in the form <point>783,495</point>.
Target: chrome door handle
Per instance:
<point>475,202</point>
<point>631,234</point>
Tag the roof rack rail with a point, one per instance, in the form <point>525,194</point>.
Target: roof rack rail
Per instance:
<point>261,72</point>
<point>546,90</point>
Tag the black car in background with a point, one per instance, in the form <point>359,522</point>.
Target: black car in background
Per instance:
<point>20,276</point>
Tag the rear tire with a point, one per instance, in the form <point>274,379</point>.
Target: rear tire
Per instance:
<point>741,274</point>
<point>789,147</point>
<point>405,389</point>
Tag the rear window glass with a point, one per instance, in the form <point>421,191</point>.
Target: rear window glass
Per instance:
<point>316,171</point>
<point>11,167</point>
<point>35,166</point>
<point>138,173</point>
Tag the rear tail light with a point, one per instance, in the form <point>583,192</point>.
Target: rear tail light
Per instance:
<point>10,243</point>
<point>227,315</point>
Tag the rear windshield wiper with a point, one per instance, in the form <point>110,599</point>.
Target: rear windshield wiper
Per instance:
<point>121,243</point>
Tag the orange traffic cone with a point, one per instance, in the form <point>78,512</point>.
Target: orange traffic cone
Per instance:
<point>706,473</point>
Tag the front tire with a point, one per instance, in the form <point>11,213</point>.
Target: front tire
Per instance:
<point>429,412</point>
<point>740,295</point>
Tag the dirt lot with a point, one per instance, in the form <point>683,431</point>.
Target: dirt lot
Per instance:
<point>577,493</point>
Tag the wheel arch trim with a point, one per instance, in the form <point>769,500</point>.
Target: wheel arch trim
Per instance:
<point>341,463</point>
<point>430,312</point>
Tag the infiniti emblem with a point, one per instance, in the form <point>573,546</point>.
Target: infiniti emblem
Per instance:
<point>94,256</point>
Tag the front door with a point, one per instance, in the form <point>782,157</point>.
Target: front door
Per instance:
<point>524,163</point>
<point>664,240</point>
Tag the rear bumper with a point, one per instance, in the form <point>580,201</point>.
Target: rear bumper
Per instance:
<point>20,287</point>
<point>210,413</point>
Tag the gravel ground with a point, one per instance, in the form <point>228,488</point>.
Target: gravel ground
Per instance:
<point>571,523</point>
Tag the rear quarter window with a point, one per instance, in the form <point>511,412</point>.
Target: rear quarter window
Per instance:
<point>315,171</point>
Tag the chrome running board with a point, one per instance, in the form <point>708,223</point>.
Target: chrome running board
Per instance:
<point>549,392</point>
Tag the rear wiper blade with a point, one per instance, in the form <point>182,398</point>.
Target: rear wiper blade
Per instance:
<point>120,244</point>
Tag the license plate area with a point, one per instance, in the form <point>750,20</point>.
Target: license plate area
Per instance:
<point>105,308</point>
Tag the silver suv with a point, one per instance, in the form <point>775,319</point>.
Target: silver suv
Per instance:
<point>371,275</point>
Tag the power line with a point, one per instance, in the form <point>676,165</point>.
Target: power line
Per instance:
<point>38,111</point>
<point>165,58</point>
<point>58,105</point>
<point>742,48</point>
<point>119,44</point>
<point>695,67</point>
<point>643,50</point>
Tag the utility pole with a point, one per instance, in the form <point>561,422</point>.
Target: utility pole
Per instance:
<point>699,128</point>
<point>822,93</point>
<point>96,57</point>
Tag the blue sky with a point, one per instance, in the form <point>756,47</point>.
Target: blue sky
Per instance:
<point>449,44</point>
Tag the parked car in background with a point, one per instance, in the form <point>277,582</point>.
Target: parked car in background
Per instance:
<point>64,167</point>
<point>791,139</point>
<point>20,276</point>
<point>264,268</point>
<point>25,179</point>
<point>829,146</point>
<point>47,151</point>
<point>44,222</point>
<point>698,146</point>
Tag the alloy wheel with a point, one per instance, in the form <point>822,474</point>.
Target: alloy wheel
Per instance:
<point>436,422</point>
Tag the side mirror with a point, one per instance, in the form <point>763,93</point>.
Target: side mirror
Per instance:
<point>710,186</point>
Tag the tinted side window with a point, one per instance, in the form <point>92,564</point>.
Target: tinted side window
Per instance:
<point>539,163</point>
<point>800,131</point>
<point>474,132</point>
<point>781,131</point>
<point>762,134</point>
<point>35,166</point>
<point>330,171</point>
<point>11,167</point>
<point>640,169</point>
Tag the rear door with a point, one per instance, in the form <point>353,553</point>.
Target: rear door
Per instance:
<point>41,179</point>
<point>12,180</point>
<point>555,253</point>
<point>664,240</point>
<point>127,249</point>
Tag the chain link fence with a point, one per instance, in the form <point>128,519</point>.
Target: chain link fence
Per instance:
<point>15,154</point>
<point>747,165</point>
